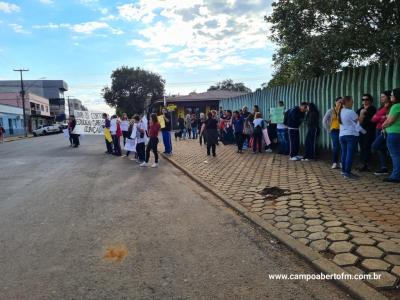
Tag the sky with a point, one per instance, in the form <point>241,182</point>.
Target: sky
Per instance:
<point>192,44</point>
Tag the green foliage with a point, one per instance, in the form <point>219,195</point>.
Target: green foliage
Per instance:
<point>229,85</point>
<point>321,37</point>
<point>130,88</point>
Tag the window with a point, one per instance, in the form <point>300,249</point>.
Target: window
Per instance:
<point>1,122</point>
<point>37,106</point>
<point>41,107</point>
<point>47,108</point>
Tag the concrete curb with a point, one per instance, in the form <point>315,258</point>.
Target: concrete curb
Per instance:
<point>17,139</point>
<point>355,288</point>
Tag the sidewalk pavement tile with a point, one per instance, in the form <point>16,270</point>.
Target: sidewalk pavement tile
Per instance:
<point>357,221</point>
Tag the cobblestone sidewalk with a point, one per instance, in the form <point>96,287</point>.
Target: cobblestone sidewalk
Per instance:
<point>356,224</point>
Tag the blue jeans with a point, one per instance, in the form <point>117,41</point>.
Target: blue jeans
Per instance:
<point>379,146</point>
<point>283,147</point>
<point>335,145</point>
<point>393,144</point>
<point>349,145</point>
<point>194,132</point>
<point>166,135</point>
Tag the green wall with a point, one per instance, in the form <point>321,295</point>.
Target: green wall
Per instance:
<point>323,90</point>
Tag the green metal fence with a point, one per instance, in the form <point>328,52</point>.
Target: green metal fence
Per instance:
<point>323,90</point>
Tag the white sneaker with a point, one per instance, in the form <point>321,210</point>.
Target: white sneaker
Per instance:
<point>155,165</point>
<point>145,164</point>
<point>268,151</point>
<point>294,158</point>
<point>305,159</point>
<point>334,166</point>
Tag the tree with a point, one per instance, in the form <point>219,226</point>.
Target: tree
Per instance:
<point>321,37</point>
<point>229,85</point>
<point>130,88</point>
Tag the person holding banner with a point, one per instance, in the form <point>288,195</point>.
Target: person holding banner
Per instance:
<point>130,142</point>
<point>166,132</point>
<point>75,137</point>
<point>107,134</point>
<point>141,139</point>
<point>277,116</point>
<point>71,142</point>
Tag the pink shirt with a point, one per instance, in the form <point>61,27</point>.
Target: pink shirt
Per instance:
<point>380,117</point>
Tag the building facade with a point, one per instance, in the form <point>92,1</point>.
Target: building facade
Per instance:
<point>75,104</point>
<point>37,110</point>
<point>194,103</point>
<point>11,119</point>
<point>53,90</point>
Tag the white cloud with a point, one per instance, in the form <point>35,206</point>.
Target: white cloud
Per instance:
<point>8,8</point>
<point>89,27</point>
<point>18,28</point>
<point>82,28</point>
<point>201,33</point>
<point>46,2</point>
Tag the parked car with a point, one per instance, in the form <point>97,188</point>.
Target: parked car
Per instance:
<point>62,125</point>
<point>46,129</point>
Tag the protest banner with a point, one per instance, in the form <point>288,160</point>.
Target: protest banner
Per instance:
<point>277,114</point>
<point>88,122</point>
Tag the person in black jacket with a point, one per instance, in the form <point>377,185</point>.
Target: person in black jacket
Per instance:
<point>74,136</point>
<point>295,117</point>
<point>366,112</point>
<point>312,121</point>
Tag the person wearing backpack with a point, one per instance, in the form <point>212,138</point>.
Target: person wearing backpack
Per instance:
<point>294,118</point>
<point>257,132</point>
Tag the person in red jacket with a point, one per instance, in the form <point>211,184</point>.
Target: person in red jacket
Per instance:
<point>379,145</point>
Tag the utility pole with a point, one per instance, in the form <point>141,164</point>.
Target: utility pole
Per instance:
<point>69,106</point>
<point>23,98</point>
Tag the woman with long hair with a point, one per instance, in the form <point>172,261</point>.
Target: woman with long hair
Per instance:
<point>392,128</point>
<point>348,135</point>
<point>379,144</point>
<point>332,125</point>
<point>153,132</point>
<point>312,121</point>
<point>210,130</point>
<point>258,125</point>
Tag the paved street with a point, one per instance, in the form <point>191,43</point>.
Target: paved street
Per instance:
<point>79,224</point>
<point>356,224</point>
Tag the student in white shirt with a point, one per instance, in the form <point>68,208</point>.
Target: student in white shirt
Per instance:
<point>348,135</point>
<point>124,127</point>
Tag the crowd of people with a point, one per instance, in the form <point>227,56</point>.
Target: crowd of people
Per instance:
<point>140,137</point>
<point>374,132</point>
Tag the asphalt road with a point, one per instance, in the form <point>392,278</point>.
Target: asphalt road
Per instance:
<point>80,224</point>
